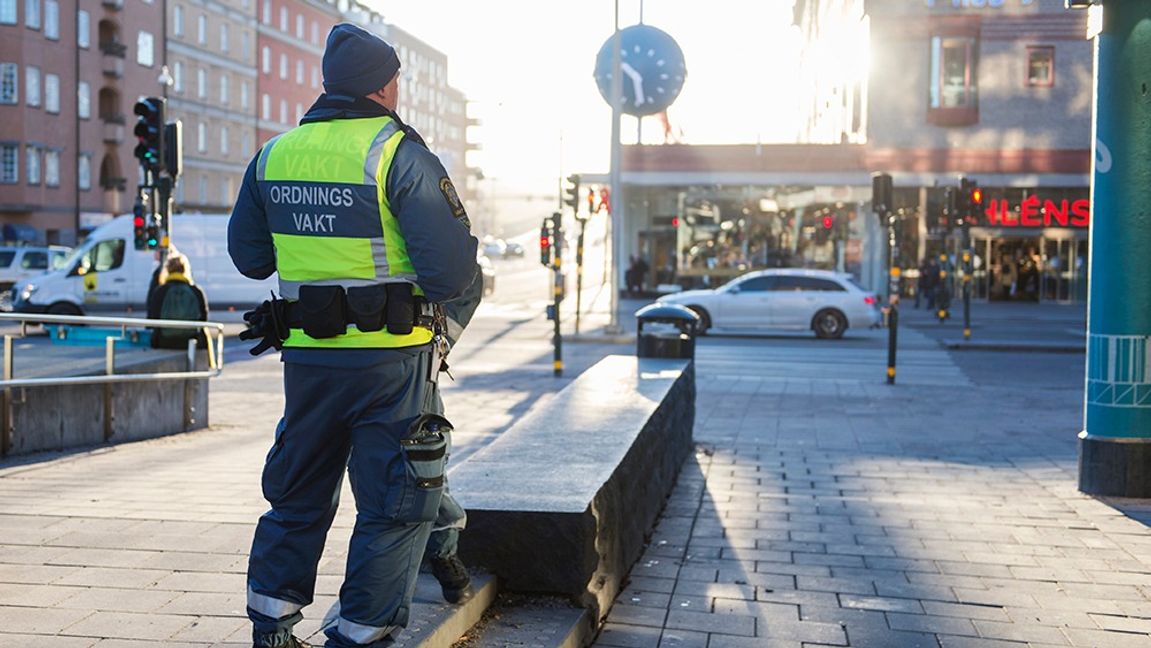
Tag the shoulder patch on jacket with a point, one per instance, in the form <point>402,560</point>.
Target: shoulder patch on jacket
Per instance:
<point>449,191</point>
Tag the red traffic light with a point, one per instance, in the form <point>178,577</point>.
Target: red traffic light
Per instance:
<point>828,222</point>
<point>977,196</point>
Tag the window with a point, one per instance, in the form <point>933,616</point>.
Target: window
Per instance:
<point>224,88</point>
<point>102,257</point>
<point>283,66</point>
<point>7,257</point>
<point>315,77</point>
<point>32,14</point>
<point>300,72</point>
<point>34,260</point>
<point>9,163</point>
<point>299,111</point>
<point>224,36</point>
<point>52,93</point>
<point>244,95</point>
<point>84,171</point>
<point>953,91</point>
<point>7,12</point>
<point>8,83</point>
<point>265,108</point>
<point>1041,66</point>
<point>33,163</point>
<point>266,63</point>
<point>178,76</point>
<point>315,33</point>
<point>52,168</point>
<point>284,19</point>
<point>226,195</point>
<point>144,53</point>
<point>83,100</point>
<point>224,140</point>
<point>32,85</point>
<point>201,29</point>
<point>267,12</point>
<point>246,43</point>
<point>283,111</point>
<point>52,19</point>
<point>202,137</point>
<point>178,21</point>
<point>83,29</point>
<point>756,284</point>
<point>300,26</point>
<point>201,83</point>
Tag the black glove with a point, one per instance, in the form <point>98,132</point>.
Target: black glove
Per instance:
<point>267,323</point>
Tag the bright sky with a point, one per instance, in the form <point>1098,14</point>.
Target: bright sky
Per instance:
<point>527,67</point>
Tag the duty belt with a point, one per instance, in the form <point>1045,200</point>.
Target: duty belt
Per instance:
<point>425,316</point>
<point>327,311</point>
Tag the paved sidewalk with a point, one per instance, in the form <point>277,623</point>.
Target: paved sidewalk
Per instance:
<point>830,509</point>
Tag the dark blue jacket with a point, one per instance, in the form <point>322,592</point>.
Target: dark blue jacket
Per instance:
<point>436,231</point>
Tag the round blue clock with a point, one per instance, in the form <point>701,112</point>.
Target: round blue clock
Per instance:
<point>652,68</point>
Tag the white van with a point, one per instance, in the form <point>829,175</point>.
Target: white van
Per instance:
<point>108,273</point>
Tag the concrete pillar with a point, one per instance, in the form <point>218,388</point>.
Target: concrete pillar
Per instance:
<point>1115,445</point>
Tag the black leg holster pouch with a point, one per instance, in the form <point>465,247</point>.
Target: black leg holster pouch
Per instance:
<point>367,306</point>
<point>322,311</point>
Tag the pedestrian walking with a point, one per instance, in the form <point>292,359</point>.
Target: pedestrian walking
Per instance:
<point>928,281</point>
<point>177,298</point>
<point>370,242</point>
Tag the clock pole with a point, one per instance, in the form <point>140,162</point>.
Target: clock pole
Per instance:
<point>617,207</point>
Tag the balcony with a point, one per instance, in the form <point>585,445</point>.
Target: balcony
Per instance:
<point>114,49</point>
<point>113,66</point>
<point>113,5</point>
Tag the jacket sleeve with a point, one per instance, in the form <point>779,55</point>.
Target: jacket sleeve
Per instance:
<point>459,311</point>
<point>433,222</point>
<point>249,239</point>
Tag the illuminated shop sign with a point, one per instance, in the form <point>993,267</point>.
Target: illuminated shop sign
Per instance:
<point>1037,212</point>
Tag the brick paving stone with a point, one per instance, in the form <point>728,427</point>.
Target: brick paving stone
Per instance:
<point>38,620</point>
<point>1122,624</point>
<point>128,625</point>
<point>910,606</point>
<point>725,641</point>
<point>651,584</point>
<point>118,600</point>
<point>764,612</point>
<point>1020,632</point>
<point>628,636</point>
<point>731,624</point>
<point>1102,638</point>
<point>986,612</point>
<point>637,615</point>
<point>954,641</point>
<point>930,624</point>
<point>1056,618</point>
<point>213,629</point>
<point>673,638</point>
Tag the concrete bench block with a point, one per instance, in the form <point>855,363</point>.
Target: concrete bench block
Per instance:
<point>562,501</point>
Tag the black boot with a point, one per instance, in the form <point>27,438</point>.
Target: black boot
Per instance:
<point>282,639</point>
<point>454,579</point>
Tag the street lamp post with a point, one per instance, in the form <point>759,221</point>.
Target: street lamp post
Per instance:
<point>617,206</point>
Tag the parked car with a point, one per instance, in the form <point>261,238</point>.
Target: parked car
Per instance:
<point>825,302</point>
<point>514,250</point>
<point>488,271</point>
<point>18,263</point>
<point>493,248</point>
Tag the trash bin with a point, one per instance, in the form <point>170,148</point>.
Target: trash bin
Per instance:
<point>671,331</point>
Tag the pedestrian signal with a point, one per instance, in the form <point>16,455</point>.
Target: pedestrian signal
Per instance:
<point>149,131</point>
<point>139,226</point>
<point>546,244</point>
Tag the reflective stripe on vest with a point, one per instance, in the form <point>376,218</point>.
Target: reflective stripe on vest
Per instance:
<point>323,186</point>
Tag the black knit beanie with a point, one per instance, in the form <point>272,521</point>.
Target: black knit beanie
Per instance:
<point>357,62</point>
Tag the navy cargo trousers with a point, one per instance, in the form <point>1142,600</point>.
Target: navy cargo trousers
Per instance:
<point>381,424</point>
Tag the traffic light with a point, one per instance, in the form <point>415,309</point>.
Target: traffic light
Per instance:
<point>139,225</point>
<point>950,209</point>
<point>150,132</point>
<point>571,193</point>
<point>546,243</point>
<point>882,192</point>
<point>972,197</point>
<point>976,205</point>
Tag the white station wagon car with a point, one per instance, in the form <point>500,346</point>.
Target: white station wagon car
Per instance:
<point>819,300</point>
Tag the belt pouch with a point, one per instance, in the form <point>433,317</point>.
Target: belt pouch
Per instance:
<point>401,308</point>
<point>366,307</point>
<point>322,311</point>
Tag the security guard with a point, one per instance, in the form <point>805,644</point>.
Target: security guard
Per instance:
<point>377,276</point>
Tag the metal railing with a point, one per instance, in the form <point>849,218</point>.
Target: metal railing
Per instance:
<point>213,333</point>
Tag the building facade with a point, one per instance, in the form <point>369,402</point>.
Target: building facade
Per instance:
<point>70,71</point>
<point>211,57</point>
<point>291,39</point>
<point>929,90</point>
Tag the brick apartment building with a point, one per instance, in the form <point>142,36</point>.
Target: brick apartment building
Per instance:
<point>70,71</point>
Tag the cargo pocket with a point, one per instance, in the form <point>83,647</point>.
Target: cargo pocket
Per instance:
<point>366,307</point>
<point>425,456</point>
